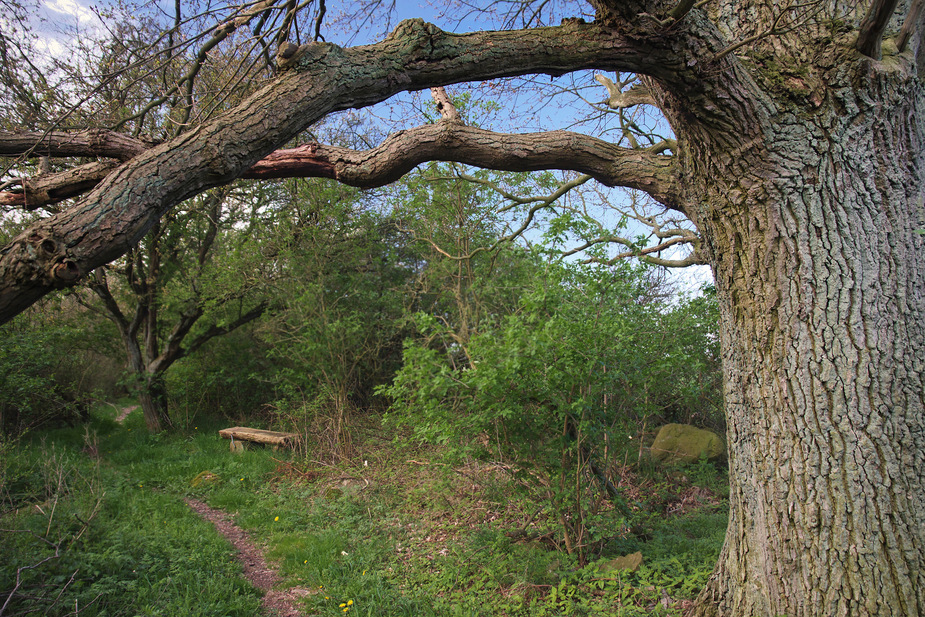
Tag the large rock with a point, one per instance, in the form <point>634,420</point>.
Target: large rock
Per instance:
<point>682,443</point>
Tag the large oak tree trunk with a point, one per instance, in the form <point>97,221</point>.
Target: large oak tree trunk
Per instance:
<point>810,226</point>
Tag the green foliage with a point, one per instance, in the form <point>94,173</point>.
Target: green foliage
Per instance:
<point>30,394</point>
<point>560,386</point>
<point>338,333</point>
<point>393,546</point>
<point>97,539</point>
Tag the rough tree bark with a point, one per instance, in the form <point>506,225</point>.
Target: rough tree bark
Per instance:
<point>799,157</point>
<point>808,211</point>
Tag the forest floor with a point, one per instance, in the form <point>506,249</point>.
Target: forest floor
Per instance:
<point>176,524</point>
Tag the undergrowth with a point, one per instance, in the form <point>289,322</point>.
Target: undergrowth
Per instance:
<point>92,522</point>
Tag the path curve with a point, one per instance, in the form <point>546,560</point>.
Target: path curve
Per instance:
<point>281,602</point>
<point>124,412</point>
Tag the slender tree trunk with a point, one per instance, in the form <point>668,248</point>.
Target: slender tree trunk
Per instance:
<point>153,399</point>
<point>821,280</point>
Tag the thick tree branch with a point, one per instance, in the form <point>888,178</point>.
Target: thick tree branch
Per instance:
<point>912,22</point>
<point>323,78</point>
<point>47,189</point>
<point>873,26</point>
<point>448,141</point>
<point>106,144</point>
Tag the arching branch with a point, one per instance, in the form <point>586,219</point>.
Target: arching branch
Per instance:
<point>645,169</point>
<point>322,78</point>
<point>873,26</point>
<point>449,141</point>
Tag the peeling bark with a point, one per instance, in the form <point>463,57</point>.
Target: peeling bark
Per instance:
<point>48,189</point>
<point>646,170</point>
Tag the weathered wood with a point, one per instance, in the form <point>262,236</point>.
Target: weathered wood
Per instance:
<point>276,438</point>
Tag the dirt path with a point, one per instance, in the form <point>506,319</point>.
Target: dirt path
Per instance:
<point>281,602</point>
<point>276,602</point>
<point>124,412</point>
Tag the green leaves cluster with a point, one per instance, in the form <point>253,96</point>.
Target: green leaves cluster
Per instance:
<point>563,386</point>
<point>33,365</point>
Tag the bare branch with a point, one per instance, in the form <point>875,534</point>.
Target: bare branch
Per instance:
<point>322,9</point>
<point>873,25</point>
<point>216,330</point>
<point>645,254</point>
<point>619,99</point>
<point>539,204</point>
<point>775,28</point>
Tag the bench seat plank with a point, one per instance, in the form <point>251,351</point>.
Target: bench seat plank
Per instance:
<point>259,435</point>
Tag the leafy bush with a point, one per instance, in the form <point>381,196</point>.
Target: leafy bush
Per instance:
<point>29,393</point>
<point>560,388</point>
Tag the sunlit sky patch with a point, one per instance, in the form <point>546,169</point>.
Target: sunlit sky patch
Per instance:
<point>60,21</point>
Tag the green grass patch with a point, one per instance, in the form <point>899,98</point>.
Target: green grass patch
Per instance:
<point>99,524</point>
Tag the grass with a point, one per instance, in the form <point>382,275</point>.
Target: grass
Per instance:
<point>398,534</point>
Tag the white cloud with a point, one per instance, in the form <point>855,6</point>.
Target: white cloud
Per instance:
<point>50,47</point>
<point>61,22</point>
<point>72,8</point>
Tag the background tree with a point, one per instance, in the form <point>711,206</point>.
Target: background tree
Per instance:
<point>798,155</point>
<point>341,293</point>
<point>177,293</point>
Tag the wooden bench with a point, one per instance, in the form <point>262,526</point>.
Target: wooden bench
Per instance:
<point>240,434</point>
